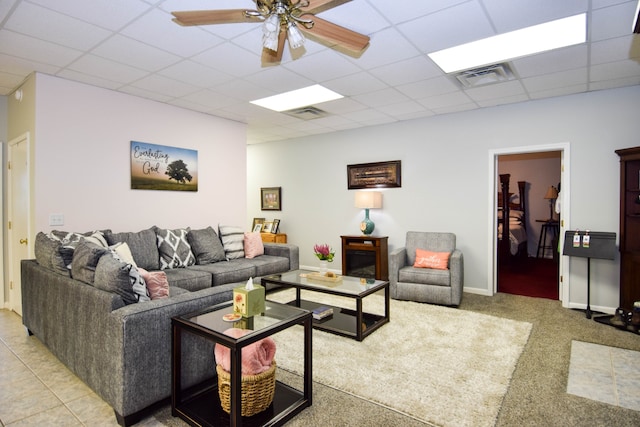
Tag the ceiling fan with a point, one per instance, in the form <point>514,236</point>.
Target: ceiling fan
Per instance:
<point>285,20</point>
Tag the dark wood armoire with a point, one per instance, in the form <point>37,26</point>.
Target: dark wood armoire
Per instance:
<point>629,226</point>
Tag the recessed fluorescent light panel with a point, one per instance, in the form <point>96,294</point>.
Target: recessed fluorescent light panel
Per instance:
<point>504,47</point>
<point>298,98</point>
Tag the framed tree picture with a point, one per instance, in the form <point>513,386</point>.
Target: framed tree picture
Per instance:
<point>270,198</point>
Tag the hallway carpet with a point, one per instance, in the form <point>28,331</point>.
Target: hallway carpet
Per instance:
<point>531,277</point>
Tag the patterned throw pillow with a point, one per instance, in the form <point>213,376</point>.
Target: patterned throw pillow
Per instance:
<point>175,250</point>
<point>232,241</point>
<point>253,246</point>
<point>435,260</point>
<point>156,282</point>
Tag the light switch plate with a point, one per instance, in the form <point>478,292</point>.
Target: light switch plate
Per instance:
<point>56,219</point>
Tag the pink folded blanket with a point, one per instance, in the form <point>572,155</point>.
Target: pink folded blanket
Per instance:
<point>256,357</point>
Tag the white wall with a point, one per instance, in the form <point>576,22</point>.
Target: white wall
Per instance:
<point>82,161</point>
<point>445,178</point>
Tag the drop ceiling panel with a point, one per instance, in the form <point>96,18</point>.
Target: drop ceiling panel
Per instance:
<point>133,46</point>
<point>44,24</point>
<point>515,14</point>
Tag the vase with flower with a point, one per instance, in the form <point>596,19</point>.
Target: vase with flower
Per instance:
<point>325,254</point>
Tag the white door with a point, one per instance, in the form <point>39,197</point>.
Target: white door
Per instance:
<point>18,236</point>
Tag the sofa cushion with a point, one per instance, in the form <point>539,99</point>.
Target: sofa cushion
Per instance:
<point>114,275</point>
<point>237,270</point>
<point>85,259</point>
<point>253,246</point>
<point>430,259</point>
<point>69,241</point>
<point>206,246</point>
<point>174,248</point>
<point>156,282</point>
<point>142,244</point>
<point>189,278</point>
<point>232,241</point>
<point>426,276</point>
<point>269,264</point>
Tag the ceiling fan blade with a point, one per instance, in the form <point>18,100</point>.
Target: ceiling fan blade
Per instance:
<point>209,17</point>
<point>270,57</point>
<point>334,35</point>
<point>317,6</point>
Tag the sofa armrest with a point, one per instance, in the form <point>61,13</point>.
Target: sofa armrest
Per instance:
<point>286,250</point>
<point>456,267</point>
<point>397,260</point>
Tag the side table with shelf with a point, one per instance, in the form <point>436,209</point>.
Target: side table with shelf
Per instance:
<point>273,237</point>
<point>199,405</point>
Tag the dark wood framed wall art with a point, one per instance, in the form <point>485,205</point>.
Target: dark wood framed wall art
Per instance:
<point>374,175</point>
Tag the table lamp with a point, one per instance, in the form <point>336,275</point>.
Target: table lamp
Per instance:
<point>368,200</point>
<point>552,195</point>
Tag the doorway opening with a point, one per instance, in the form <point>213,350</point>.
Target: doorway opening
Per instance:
<point>529,263</point>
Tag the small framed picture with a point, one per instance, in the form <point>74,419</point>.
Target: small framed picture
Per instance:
<point>257,228</point>
<point>266,228</point>
<point>270,198</point>
<point>257,221</point>
<point>275,226</point>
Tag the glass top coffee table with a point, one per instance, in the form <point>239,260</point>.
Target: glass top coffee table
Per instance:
<point>346,322</point>
<point>200,405</point>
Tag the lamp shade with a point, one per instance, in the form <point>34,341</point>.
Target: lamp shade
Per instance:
<point>552,193</point>
<point>368,199</point>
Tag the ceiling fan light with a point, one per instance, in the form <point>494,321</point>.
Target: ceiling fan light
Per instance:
<point>296,39</point>
<point>270,30</point>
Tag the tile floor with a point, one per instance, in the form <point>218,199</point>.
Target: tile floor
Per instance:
<point>606,374</point>
<point>37,390</point>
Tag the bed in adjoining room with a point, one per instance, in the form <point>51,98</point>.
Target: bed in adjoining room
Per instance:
<point>512,220</point>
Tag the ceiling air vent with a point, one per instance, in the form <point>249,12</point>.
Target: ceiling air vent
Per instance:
<point>307,113</point>
<point>488,75</point>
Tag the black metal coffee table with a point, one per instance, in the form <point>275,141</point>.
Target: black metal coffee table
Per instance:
<point>346,322</point>
<point>200,405</point>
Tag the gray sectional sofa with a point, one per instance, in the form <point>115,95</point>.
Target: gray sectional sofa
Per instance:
<point>119,347</point>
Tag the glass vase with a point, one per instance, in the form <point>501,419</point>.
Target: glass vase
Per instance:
<point>323,266</point>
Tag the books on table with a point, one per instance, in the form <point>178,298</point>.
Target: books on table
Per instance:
<point>322,312</point>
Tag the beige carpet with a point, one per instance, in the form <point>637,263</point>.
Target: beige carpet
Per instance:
<point>458,378</point>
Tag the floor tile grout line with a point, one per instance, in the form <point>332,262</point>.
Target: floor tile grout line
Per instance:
<point>62,403</point>
<point>613,377</point>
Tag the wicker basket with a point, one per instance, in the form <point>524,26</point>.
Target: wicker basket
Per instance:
<point>257,390</point>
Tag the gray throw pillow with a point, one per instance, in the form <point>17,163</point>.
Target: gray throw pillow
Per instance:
<point>174,248</point>
<point>114,275</point>
<point>142,245</point>
<point>48,254</point>
<point>232,241</point>
<point>85,259</point>
<point>206,246</point>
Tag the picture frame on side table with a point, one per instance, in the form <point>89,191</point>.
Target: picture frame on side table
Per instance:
<point>275,226</point>
<point>374,175</point>
<point>257,228</point>
<point>266,227</point>
<point>257,221</point>
<point>271,198</point>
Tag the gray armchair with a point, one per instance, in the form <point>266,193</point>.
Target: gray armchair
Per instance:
<point>424,284</point>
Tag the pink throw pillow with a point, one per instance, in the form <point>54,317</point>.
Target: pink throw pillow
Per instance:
<point>156,282</point>
<point>253,246</point>
<point>428,259</point>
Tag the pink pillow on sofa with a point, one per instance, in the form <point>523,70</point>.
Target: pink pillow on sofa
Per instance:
<point>253,246</point>
<point>428,259</point>
<point>156,282</point>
